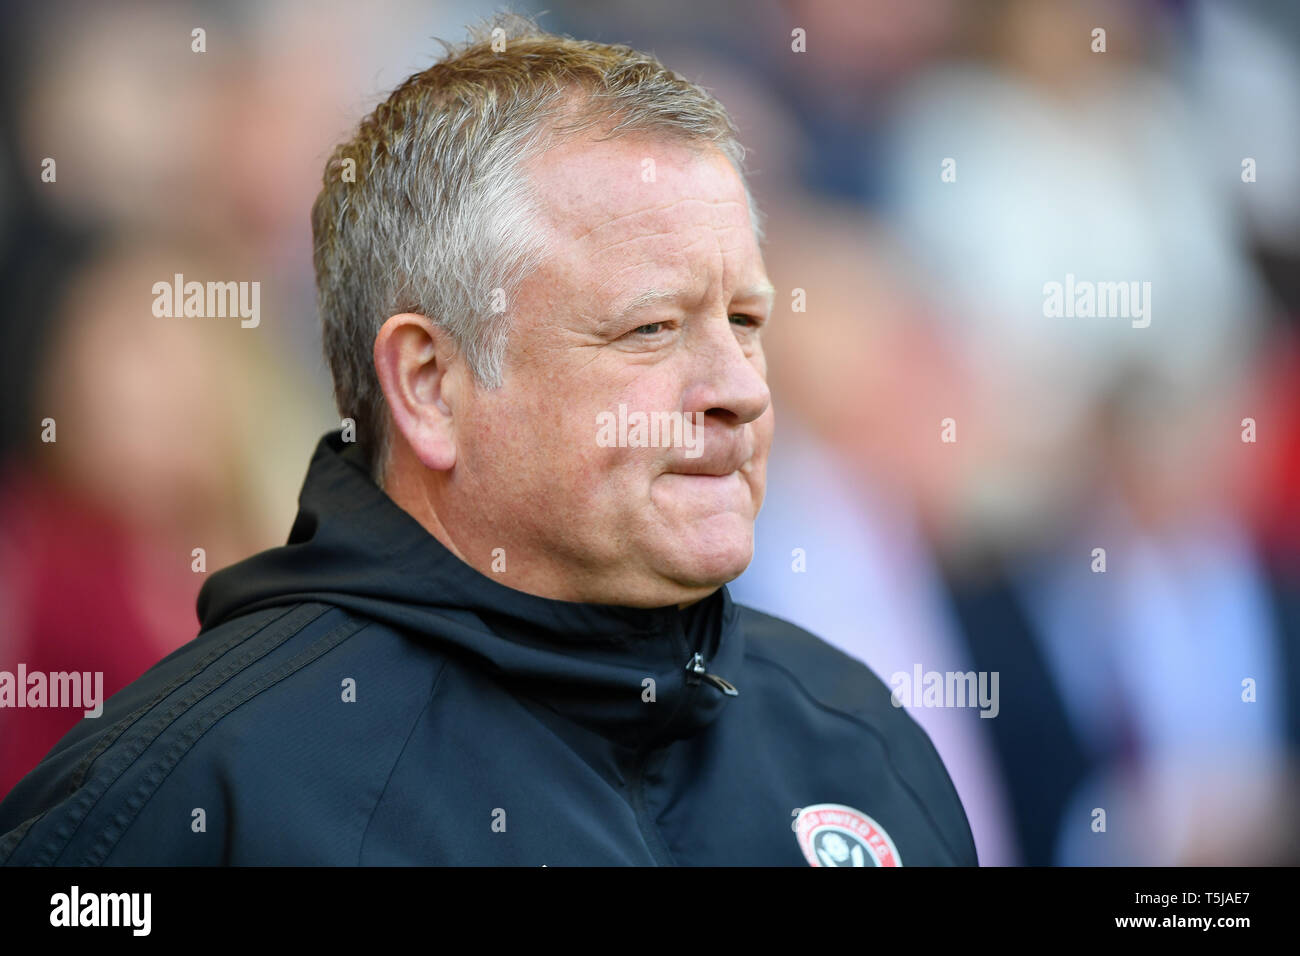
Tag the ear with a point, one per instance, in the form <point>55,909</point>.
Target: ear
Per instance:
<point>418,369</point>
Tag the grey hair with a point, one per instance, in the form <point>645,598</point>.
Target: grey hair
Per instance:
<point>426,208</point>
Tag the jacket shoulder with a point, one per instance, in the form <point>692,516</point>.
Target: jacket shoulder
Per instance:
<point>106,775</point>
<point>843,685</point>
<point>835,679</point>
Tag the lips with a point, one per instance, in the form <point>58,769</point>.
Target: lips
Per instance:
<point>719,460</point>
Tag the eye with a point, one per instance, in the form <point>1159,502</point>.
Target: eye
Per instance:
<point>650,329</point>
<point>747,320</point>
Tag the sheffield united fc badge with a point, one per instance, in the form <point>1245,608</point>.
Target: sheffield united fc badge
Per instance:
<point>831,834</point>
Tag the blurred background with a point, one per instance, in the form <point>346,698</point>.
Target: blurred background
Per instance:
<point>926,167</point>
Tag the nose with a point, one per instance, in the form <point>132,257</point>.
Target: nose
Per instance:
<point>729,385</point>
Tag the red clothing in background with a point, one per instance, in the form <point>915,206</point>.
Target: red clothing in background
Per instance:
<point>75,595</point>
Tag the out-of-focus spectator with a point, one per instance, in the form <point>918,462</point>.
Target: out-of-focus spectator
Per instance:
<point>1125,670</point>
<point>98,527</point>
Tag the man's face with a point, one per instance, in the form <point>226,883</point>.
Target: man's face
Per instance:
<point>539,467</point>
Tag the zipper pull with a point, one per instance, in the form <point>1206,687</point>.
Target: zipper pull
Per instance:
<point>696,668</point>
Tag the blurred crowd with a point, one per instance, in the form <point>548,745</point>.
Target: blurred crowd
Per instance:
<point>949,461</point>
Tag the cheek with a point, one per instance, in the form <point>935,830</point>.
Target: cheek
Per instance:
<point>566,447</point>
<point>621,474</point>
<point>546,441</point>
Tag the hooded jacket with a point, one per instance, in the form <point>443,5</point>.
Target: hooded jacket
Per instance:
<point>362,696</point>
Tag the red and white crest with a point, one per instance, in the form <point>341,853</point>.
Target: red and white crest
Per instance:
<point>831,834</point>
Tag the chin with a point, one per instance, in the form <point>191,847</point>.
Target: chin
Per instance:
<point>716,561</point>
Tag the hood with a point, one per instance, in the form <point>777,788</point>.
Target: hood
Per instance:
<point>351,546</point>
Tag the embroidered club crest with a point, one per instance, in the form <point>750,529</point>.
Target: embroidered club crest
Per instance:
<point>831,834</point>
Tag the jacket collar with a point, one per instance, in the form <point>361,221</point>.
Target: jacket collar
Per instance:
<point>353,547</point>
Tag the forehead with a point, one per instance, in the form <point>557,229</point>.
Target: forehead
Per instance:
<point>635,203</point>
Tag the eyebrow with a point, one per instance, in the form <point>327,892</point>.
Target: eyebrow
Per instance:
<point>651,297</point>
<point>764,290</point>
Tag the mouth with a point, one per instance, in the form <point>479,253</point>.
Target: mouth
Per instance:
<point>717,465</point>
<point>707,493</point>
<point>719,472</point>
<point>705,476</point>
<point>702,498</point>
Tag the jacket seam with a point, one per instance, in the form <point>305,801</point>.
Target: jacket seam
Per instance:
<point>433,692</point>
<point>884,743</point>
<point>195,732</point>
<point>244,634</point>
<point>81,809</point>
<point>640,809</point>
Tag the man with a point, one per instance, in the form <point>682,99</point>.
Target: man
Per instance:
<point>499,632</point>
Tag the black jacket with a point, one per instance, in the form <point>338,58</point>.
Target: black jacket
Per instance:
<point>362,696</point>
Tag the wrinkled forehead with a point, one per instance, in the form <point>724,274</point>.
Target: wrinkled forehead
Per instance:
<point>598,194</point>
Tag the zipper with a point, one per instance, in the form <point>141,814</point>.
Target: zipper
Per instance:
<point>697,670</point>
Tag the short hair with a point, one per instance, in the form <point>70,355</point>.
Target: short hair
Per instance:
<point>425,209</point>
